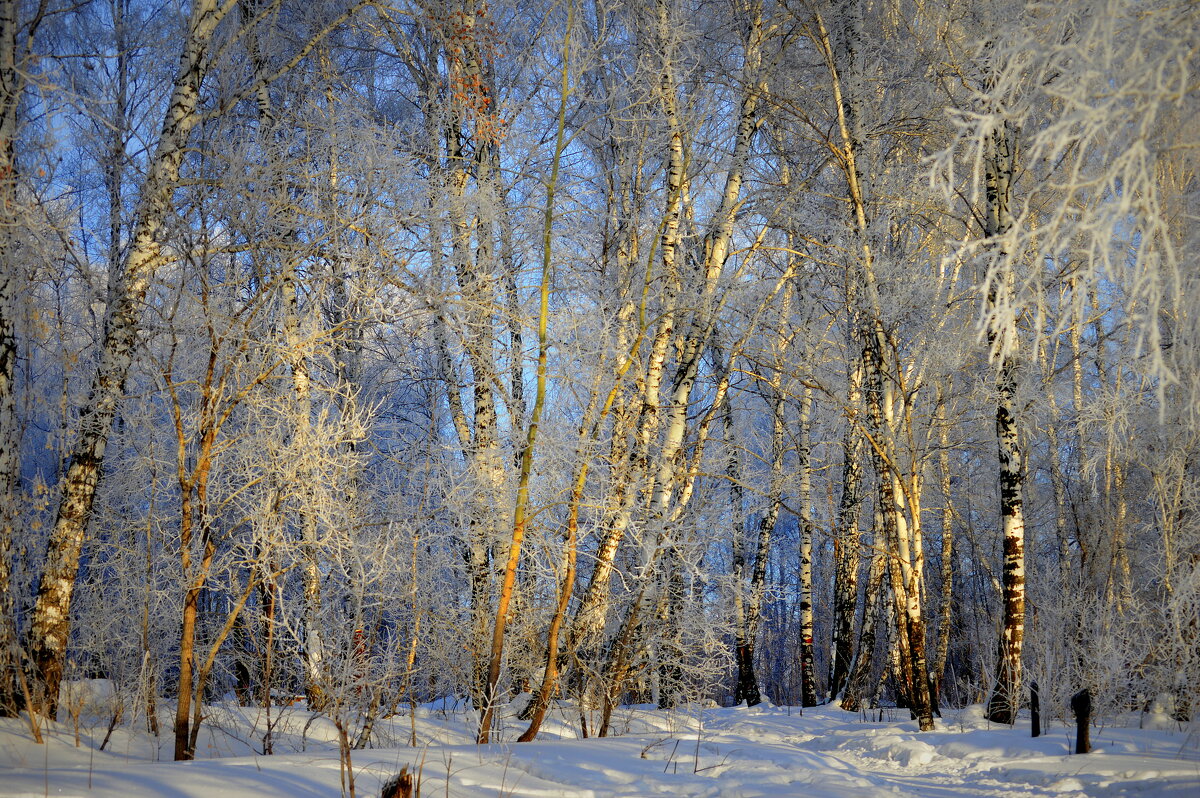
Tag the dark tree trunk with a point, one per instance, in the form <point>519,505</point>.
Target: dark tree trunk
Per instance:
<point>1081,705</point>
<point>11,88</point>
<point>1002,340</point>
<point>1035,709</point>
<point>747,685</point>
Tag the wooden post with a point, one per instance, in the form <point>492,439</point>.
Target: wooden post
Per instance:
<point>1035,709</point>
<point>1081,705</point>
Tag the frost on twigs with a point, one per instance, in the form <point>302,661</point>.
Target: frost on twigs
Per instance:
<point>1103,100</point>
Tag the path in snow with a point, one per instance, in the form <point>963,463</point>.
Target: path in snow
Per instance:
<point>761,752</point>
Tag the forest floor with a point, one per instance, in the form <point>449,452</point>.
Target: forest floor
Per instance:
<point>697,752</point>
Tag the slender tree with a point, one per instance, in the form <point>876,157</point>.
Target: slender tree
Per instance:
<point>521,511</point>
<point>1002,338</point>
<point>50,621</point>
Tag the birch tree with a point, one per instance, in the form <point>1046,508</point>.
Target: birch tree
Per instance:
<point>881,371</point>
<point>50,622</point>
<point>1088,101</point>
<point>143,257</point>
<point>1002,706</point>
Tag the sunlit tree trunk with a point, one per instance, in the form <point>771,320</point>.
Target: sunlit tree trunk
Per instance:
<point>844,60</point>
<point>880,371</point>
<point>590,614</point>
<point>593,608</point>
<point>193,516</point>
<point>696,338</point>
<point>566,587</point>
<point>902,536</point>
<point>634,414</point>
<point>50,620</point>
<point>521,511</point>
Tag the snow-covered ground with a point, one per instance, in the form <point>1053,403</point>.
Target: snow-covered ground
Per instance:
<point>731,753</point>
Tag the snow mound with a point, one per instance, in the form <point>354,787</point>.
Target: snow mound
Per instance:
<point>87,697</point>
<point>903,750</point>
<point>1067,785</point>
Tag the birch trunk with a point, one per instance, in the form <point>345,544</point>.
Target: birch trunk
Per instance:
<point>846,539</point>
<point>594,421</point>
<point>474,274</point>
<point>593,609</point>
<point>845,61</point>
<point>847,550</point>
<point>880,371</point>
<point>50,620</point>
<point>859,673</point>
<point>1002,339</point>
<point>716,252</point>
<point>908,562</point>
<point>808,680</point>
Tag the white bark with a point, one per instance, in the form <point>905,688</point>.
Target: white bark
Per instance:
<point>808,680</point>
<point>880,371</point>
<point>593,610</point>
<point>50,624</point>
<point>1002,338</point>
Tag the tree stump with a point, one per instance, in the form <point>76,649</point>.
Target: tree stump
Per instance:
<point>1081,705</point>
<point>399,786</point>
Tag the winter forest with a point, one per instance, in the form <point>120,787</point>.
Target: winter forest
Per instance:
<point>363,354</point>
